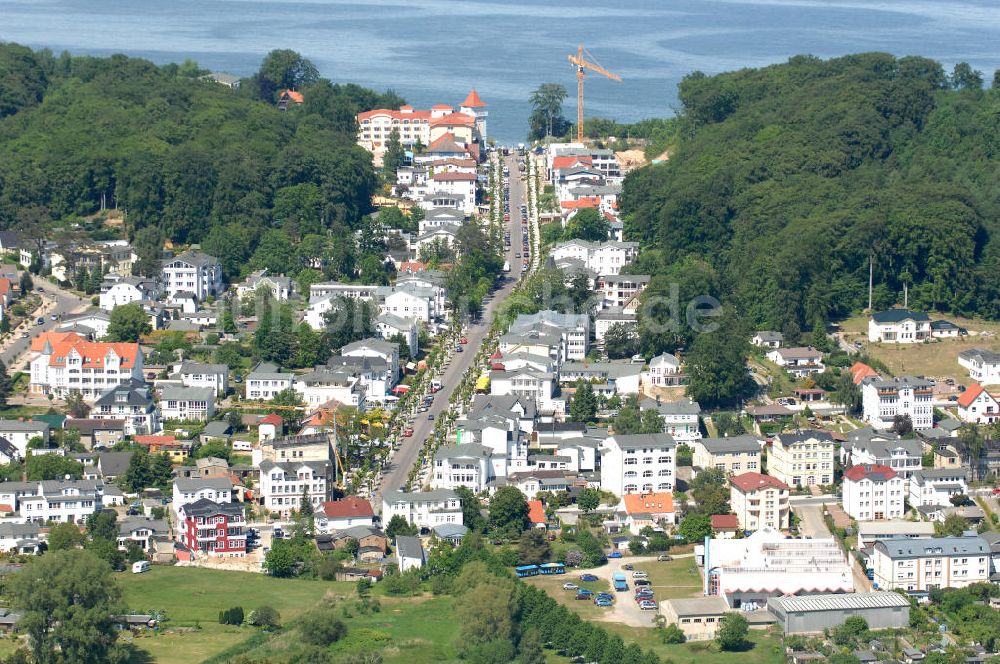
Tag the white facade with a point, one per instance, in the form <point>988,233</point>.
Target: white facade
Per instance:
<point>18,433</point>
<point>77,365</point>
<point>193,272</point>
<point>389,325</point>
<point>411,302</point>
<point>873,493</point>
<point>800,361</point>
<point>882,400</point>
<point>759,501</point>
<point>424,509</point>
<point>196,374</point>
<point>470,465</point>
<point>978,406</point>
<point>936,486</point>
<point>266,381</point>
<point>601,257</point>
<point>983,365</point>
<point>61,501</point>
<point>188,490</point>
<point>125,291</point>
<point>926,563</point>
<point>899,326</point>
<point>640,463</point>
<point>322,385</point>
<point>282,485</point>
<point>767,564</point>
<point>187,403</point>
<point>664,370</point>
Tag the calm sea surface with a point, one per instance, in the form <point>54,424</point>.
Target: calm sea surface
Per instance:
<point>433,51</point>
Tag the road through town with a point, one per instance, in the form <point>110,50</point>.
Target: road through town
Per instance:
<point>55,301</point>
<point>402,461</point>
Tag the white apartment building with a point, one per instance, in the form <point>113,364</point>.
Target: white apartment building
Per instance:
<point>617,289</point>
<point>573,329</point>
<point>638,463</point>
<point>866,446</point>
<point>118,291</point>
<point>279,286</point>
<point>680,418</point>
<point>61,501</point>
<point>197,374</point>
<point>609,317</point>
<point>883,399</point>
<point>68,363</point>
<point>389,325</point>
<point>527,383</point>
<point>732,455</point>
<point>424,509</point>
<point>324,289</point>
<point>371,372</point>
<point>983,365</point>
<point>978,406</point>
<point>378,349</point>
<point>767,564</point>
<point>193,272</point>
<point>267,380</point>
<point>410,301</point>
<point>604,258</point>
<point>191,489</point>
<point>665,371</point>
<point>187,403</point>
<point>936,486</point>
<point>323,384</point>
<point>470,465</point>
<point>873,493</point>
<point>759,501</point>
<point>899,326</point>
<point>927,563</point>
<point>131,403</point>
<point>282,485</point>
<point>802,458</point>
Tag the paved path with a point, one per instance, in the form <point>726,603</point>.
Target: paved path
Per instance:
<point>56,301</point>
<point>811,524</point>
<point>398,468</point>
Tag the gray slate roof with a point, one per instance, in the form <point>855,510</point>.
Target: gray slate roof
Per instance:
<point>645,440</point>
<point>901,548</point>
<point>898,315</point>
<point>409,547</point>
<point>745,444</point>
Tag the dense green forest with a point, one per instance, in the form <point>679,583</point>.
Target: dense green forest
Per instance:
<point>189,160</point>
<point>787,179</point>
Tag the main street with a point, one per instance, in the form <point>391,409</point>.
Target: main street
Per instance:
<point>398,468</point>
<point>55,301</point>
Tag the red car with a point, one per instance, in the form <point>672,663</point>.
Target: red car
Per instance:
<point>463,340</point>
<point>408,433</point>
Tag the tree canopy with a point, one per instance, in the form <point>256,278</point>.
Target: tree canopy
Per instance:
<point>786,180</point>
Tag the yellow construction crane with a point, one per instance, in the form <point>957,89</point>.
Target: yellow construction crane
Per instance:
<point>582,65</point>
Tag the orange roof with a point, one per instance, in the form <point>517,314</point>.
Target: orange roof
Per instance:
<point>725,522</point>
<point>149,441</point>
<point>440,107</point>
<point>860,371</point>
<point>348,507</point>
<point>5,286</point>
<point>536,511</point>
<point>473,100</point>
<point>570,161</point>
<point>649,503</point>
<point>412,266</point>
<point>970,394</point>
<point>293,95</point>
<point>405,112</point>
<point>454,119</point>
<point>93,354</point>
<point>273,418</point>
<point>460,163</point>
<point>580,203</point>
<point>54,339</point>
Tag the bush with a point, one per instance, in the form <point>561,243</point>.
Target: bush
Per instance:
<point>231,616</point>
<point>321,627</point>
<point>673,634</point>
<point>265,616</point>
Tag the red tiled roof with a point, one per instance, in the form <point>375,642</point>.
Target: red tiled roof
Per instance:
<point>350,506</point>
<point>725,522</point>
<point>454,119</point>
<point>966,398</point>
<point>859,472</point>
<point>412,266</point>
<point>459,163</point>
<point>54,338</point>
<point>860,371</point>
<point>5,286</point>
<point>753,481</point>
<point>446,142</point>
<point>273,418</point>
<point>580,203</point>
<point>472,100</point>
<point>293,95</point>
<point>536,511</point>
<point>93,354</point>
<point>652,503</point>
<point>559,163</point>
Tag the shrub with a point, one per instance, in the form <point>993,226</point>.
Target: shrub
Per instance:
<point>231,616</point>
<point>265,616</point>
<point>321,627</point>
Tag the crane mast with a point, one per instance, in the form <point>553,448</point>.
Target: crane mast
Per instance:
<point>582,64</point>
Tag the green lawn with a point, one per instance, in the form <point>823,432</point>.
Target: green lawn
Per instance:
<point>676,578</point>
<point>192,598</point>
<point>766,649</point>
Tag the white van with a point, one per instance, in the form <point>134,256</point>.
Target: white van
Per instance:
<point>140,567</point>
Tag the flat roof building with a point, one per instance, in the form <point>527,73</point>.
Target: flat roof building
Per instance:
<point>815,613</point>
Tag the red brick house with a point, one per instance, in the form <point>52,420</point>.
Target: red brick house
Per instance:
<point>218,529</point>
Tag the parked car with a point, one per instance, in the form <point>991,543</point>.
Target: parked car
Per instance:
<point>615,554</point>
<point>600,601</point>
<point>584,591</point>
<point>463,340</point>
<point>408,433</point>
<point>639,574</point>
<point>588,578</point>
<point>642,582</point>
<point>25,335</point>
<point>664,558</point>
<point>647,605</point>
<point>570,586</point>
<point>458,349</point>
<point>40,321</point>
<point>627,567</point>
<point>582,596</point>
<point>430,416</point>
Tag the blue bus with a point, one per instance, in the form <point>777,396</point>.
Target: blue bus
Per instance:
<point>526,570</point>
<point>552,568</point>
<point>620,582</point>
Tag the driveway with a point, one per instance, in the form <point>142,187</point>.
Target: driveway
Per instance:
<point>626,610</point>
<point>811,524</point>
